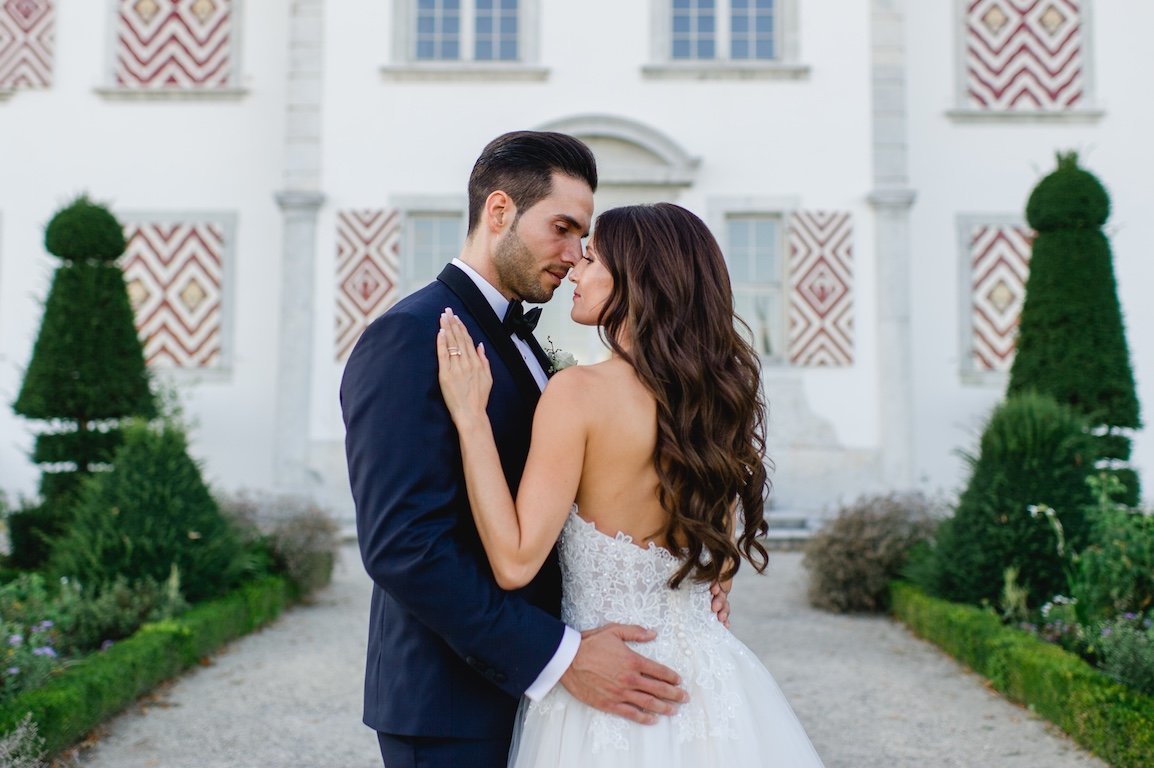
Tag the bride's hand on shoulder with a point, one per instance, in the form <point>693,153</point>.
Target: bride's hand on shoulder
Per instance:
<point>464,372</point>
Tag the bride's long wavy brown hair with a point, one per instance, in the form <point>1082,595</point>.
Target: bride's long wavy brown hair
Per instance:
<point>672,299</point>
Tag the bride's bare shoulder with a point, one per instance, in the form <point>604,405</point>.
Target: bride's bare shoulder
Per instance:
<point>579,382</point>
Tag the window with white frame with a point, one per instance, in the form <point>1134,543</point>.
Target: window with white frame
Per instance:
<point>753,251</point>
<point>725,38</point>
<point>464,39</point>
<point>733,29</point>
<point>432,240</point>
<point>482,30</point>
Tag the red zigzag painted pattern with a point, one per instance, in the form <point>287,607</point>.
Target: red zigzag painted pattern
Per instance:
<point>174,44</point>
<point>1024,54</point>
<point>999,261</point>
<point>174,275</point>
<point>368,257</point>
<point>27,41</point>
<point>821,289</point>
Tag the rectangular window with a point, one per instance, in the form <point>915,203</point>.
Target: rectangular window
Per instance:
<point>704,30</point>
<point>751,30</point>
<point>451,30</point>
<point>438,30</point>
<point>694,29</point>
<point>753,252</point>
<point>434,239</point>
<point>496,30</point>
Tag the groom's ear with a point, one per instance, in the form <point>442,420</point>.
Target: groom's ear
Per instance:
<point>499,211</point>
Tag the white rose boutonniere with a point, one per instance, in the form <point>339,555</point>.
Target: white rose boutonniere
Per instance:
<point>559,359</point>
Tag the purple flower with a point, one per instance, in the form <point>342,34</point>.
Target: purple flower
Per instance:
<point>15,640</point>
<point>13,670</point>
<point>106,645</point>
<point>44,650</point>
<point>45,625</point>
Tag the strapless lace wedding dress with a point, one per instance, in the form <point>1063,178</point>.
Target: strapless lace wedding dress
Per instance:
<point>736,715</point>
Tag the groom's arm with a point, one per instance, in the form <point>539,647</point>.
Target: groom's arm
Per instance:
<point>403,459</point>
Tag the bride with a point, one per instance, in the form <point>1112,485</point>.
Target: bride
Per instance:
<point>646,470</point>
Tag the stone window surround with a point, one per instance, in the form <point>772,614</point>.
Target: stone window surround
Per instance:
<point>718,211</point>
<point>111,91</point>
<point>962,113</point>
<point>227,221</point>
<point>786,66</point>
<point>406,66</point>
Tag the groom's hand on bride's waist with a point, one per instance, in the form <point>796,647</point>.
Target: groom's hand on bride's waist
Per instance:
<point>609,675</point>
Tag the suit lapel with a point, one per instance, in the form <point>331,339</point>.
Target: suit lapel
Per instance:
<point>539,353</point>
<point>471,296</point>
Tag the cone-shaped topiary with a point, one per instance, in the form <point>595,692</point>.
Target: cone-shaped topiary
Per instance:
<point>150,512</point>
<point>1033,452</point>
<point>1071,340</point>
<point>87,369</point>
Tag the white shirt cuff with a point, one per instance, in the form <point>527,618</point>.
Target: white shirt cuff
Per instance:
<point>562,658</point>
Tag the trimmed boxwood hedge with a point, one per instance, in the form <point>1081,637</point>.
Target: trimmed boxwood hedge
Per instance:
<point>1107,718</point>
<point>98,686</point>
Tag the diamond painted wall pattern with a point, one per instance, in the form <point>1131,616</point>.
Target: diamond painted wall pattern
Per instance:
<point>174,273</point>
<point>368,259</point>
<point>174,44</point>
<point>999,264</point>
<point>820,289</point>
<point>1024,55</point>
<point>27,42</point>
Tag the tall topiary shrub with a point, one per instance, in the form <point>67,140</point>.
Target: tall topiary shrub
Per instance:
<point>151,512</point>
<point>1033,452</point>
<point>87,370</point>
<point>1071,342</point>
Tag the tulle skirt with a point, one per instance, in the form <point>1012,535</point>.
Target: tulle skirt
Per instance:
<point>736,716</point>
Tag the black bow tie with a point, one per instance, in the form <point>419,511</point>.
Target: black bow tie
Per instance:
<point>520,322</point>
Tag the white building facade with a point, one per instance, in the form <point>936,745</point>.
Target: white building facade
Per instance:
<point>287,170</point>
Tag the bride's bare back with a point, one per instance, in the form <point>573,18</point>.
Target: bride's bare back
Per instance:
<point>617,490</point>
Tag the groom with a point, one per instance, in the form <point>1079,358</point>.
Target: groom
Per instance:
<point>449,652</point>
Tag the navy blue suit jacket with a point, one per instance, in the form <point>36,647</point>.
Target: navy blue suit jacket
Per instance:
<point>449,651</point>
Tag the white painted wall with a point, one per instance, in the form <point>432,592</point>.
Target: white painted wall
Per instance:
<point>166,156</point>
<point>809,140</point>
<point>990,168</point>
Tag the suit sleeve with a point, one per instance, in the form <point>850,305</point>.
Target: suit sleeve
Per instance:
<point>407,482</point>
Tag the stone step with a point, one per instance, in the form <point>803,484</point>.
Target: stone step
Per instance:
<point>789,529</point>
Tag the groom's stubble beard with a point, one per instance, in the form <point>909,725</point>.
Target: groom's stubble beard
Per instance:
<point>518,270</point>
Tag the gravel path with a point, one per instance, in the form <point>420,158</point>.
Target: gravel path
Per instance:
<point>869,693</point>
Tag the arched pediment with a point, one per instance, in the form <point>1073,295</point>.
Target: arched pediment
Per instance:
<point>630,153</point>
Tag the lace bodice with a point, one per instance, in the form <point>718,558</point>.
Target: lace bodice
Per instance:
<point>609,579</point>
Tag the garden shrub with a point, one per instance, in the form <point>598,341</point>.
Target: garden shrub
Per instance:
<point>1034,457</point>
<point>83,618</point>
<point>22,747</point>
<point>1109,719</point>
<point>151,512</point>
<point>1114,574</point>
<point>87,369</point>
<point>115,610</point>
<point>31,531</point>
<point>1071,339</point>
<point>299,538</point>
<point>1127,649</point>
<point>853,558</point>
<point>84,694</point>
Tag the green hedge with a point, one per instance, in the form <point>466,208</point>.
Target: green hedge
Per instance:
<point>98,686</point>
<point>1111,720</point>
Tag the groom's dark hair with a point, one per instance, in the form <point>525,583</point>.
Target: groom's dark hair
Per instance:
<point>522,163</point>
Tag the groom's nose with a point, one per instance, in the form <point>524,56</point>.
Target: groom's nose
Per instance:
<point>572,254</point>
